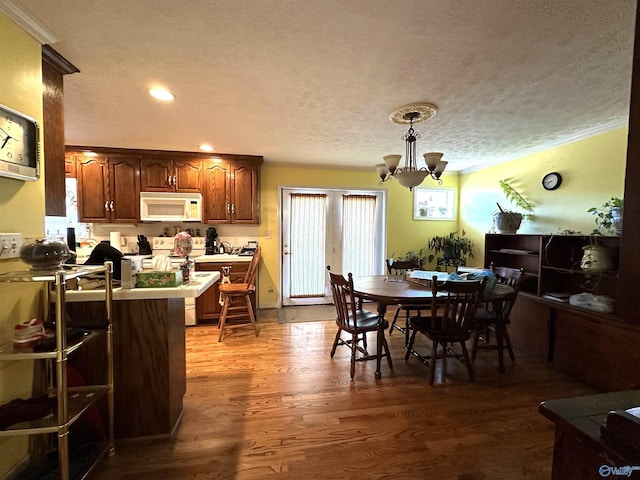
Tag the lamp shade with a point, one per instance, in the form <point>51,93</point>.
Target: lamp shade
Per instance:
<point>382,170</point>
<point>442,164</point>
<point>432,159</point>
<point>411,178</point>
<point>392,162</point>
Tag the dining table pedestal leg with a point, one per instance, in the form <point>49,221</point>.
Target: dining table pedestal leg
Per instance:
<point>382,310</point>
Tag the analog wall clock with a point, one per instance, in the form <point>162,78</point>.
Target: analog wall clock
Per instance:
<point>551,181</point>
<point>19,145</point>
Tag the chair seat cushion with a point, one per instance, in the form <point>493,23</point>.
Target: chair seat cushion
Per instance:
<point>367,321</point>
<point>423,325</point>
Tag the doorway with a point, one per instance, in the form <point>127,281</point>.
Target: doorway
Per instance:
<point>342,228</point>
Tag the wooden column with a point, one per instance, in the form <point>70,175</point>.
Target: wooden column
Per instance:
<point>54,66</point>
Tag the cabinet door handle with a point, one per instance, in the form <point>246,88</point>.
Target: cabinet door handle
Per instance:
<point>111,205</point>
<point>228,208</point>
<point>174,180</point>
<point>233,208</point>
<point>106,205</point>
<point>169,180</point>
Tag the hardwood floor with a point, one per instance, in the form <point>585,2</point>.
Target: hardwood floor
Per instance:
<point>278,407</point>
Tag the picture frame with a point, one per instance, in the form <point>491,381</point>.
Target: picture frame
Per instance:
<point>434,203</point>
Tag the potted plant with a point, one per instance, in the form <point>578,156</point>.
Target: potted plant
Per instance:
<point>509,221</point>
<point>409,255</point>
<point>454,248</point>
<point>608,217</point>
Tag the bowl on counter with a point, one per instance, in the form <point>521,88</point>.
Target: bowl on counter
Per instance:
<point>44,254</point>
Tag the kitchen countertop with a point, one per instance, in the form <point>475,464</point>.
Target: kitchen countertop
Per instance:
<point>221,258</point>
<point>200,281</point>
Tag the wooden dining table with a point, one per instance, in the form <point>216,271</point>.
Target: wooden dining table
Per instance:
<point>395,290</point>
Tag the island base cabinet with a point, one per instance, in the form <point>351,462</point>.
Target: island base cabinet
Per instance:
<point>149,363</point>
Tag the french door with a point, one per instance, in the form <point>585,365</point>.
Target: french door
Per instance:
<point>341,228</point>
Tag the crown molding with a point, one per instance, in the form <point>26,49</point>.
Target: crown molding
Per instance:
<point>581,135</point>
<point>27,22</point>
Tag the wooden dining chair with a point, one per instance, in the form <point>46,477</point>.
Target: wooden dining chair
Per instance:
<point>495,316</point>
<point>400,268</point>
<point>453,308</point>
<point>354,321</point>
<point>236,300</point>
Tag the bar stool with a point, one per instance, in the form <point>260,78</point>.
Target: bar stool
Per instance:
<point>236,300</point>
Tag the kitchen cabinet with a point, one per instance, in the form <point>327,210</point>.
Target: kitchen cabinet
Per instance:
<point>108,188</point>
<point>163,175</point>
<point>70,166</point>
<point>208,307</point>
<point>232,191</point>
<point>230,184</point>
<point>70,401</point>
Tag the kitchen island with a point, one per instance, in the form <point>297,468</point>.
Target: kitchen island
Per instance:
<point>148,352</point>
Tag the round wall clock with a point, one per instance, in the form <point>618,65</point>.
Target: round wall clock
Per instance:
<point>551,181</point>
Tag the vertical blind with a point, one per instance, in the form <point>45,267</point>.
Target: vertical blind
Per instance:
<point>358,237</point>
<point>307,245</point>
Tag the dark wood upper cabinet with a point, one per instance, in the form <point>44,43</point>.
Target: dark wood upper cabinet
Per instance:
<point>161,175</point>
<point>232,191</point>
<point>245,206</point>
<point>54,66</point>
<point>217,201</point>
<point>230,184</point>
<point>108,188</point>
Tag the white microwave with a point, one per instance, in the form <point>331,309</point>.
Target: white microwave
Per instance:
<point>170,207</point>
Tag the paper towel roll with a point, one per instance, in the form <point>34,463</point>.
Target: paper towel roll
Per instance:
<point>115,240</point>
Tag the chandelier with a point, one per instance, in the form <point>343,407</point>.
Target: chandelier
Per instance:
<point>410,175</point>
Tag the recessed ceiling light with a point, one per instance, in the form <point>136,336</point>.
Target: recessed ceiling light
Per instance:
<point>162,94</point>
<point>206,148</point>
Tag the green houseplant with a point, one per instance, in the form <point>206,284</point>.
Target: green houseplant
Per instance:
<point>508,221</point>
<point>454,248</point>
<point>608,217</point>
<point>402,256</point>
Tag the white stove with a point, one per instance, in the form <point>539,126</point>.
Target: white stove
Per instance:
<point>164,246</point>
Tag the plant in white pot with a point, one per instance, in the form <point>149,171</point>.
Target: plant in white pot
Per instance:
<point>508,221</point>
<point>608,217</point>
<point>597,257</point>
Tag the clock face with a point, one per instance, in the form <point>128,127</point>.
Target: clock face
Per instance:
<point>16,141</point>
<point>551,181</point>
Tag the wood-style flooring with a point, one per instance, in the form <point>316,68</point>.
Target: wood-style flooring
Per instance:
<point>278,407</point>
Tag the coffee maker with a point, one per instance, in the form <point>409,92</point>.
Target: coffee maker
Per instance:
<point>211,242</point>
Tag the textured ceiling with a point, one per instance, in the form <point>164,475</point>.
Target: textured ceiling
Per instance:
<point>314,81</point>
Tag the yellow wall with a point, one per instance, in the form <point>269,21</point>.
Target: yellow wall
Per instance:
<point>21,210</point>
<point>592,172</point>
<point>403,233</point>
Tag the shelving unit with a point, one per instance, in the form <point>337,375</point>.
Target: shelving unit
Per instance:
<point>552,262</point>
<point>71,402</point>
<point>599,349</point>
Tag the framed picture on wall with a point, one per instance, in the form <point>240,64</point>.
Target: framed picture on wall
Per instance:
<point>434,203</point>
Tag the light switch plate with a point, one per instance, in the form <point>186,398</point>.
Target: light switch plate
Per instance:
<point>10,244</point>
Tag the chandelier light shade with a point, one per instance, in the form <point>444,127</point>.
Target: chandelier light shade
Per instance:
<point>410,175</point>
